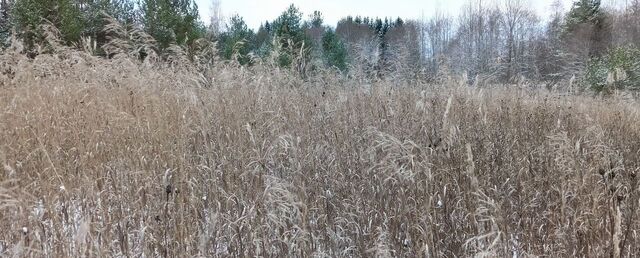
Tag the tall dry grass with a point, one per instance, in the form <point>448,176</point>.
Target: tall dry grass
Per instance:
<point>118,158</point>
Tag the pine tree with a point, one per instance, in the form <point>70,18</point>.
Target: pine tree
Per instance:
<point>94,12</point>
<point>262,40</point>
<point>237,41</point>
<point>172,21</point>
<point>334,50</point>
<point>314,30</point>
<point>28,15</point>
<point>316,19</point>
<point>291,37</point>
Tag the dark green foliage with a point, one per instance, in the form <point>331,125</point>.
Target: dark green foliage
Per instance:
<point>583,11</point>
<point>289,24</point>
<point>74,19</point>
<point>122,10</point>
<point>588,22</point>
<point>28,15</point>
<point>262,40</point>
<point>316,19</point>
<point>382,28</point>
<point>237,41</point>
<point>172,21</point>
<point>168,21</point>
<point>335,52</point>
<point>291,36</point>
<point>94,12</point>
<point>618,69</point>
<point>5,24</point>
<point>399,22</point>
<point>596,74</point>
<point>314,29</point>
<point>293,41</point>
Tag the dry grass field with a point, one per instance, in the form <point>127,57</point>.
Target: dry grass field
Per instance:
<point>114,158</point>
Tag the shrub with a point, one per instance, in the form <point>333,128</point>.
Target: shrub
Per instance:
<point>618,69</point>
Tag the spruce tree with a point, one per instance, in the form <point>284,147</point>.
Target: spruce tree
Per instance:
<point>587,21</point>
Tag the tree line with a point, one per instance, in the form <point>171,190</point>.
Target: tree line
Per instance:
<point>508,41</point>
<point>500,41</point>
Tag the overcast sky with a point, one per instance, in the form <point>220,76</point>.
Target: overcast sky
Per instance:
<point>256,12</point>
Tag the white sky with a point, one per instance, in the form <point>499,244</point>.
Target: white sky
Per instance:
<point>256,12</point>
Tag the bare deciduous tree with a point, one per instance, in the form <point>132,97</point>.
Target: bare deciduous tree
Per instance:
<point>519,23</point>
<point>438,35</point>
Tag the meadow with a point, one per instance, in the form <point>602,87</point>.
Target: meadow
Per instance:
<point>115,157</point>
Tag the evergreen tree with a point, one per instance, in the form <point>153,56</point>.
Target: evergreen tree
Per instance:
<point>291,37</point>
<point>588,22</point>
<point>94,16</point>
<point>314,31</point>
<point>172,21</point>
<point>381,28</point>
<point>5,25</point>
<point>316,19</point>
<point>237,41</point>
<point>618,69</point>
<point>262,40</point>
<point>28,15</point>
<point>335,52</point>
<point>358,20</point>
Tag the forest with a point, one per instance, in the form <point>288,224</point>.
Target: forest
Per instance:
<point>140,129</point>
<point>593,45</point>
